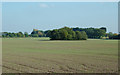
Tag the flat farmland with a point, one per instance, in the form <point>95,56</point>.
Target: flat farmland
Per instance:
<point>41,55</point>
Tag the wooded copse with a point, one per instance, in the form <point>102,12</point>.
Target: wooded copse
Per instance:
<point>67,33</point>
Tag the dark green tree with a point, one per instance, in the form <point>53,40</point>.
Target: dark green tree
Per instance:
<point>11,35</point>
<point>48,33</point>
<point>26,34</point>
<point>40,34</point>
<point>104,28</point>
<point>78,35</point>
<point>63,34</point>
<point>84,35</point>
<point>69,37</point>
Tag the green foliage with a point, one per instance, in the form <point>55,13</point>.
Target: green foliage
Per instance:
<point>26,34</point>
<point>40,34</point>
<point>93,32</point>
<point>113,36</point>
<point>84,35</point>
<point>98,33</point>
<point>110,34</point>
<point>63,34</point>
<point>103,28</point>
<point>67,34</point>
<point>47,33</point>
<point>36,33</point>
<point>15,34</point>
<point>20,34</point>
<point>11,35</point>
<point>55,35</point>
<point>69,37</point>
<point>73,35</point>
<point>78,35</point>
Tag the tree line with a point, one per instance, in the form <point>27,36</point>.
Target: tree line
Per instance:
<point>67,33</point>
<point>19,34</point>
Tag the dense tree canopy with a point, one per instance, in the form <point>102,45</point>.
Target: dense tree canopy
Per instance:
<point>36,33</point>
<point>6,34</point>
<point>67,33</point>
<point>93,32</point>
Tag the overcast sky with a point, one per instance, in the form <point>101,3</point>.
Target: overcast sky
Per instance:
<point>26,16</point>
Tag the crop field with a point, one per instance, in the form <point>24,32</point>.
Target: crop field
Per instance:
<point>41,55</point>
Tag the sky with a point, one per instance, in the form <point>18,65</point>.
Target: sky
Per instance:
<point>26,16</point>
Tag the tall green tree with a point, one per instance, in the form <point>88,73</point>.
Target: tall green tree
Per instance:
<point>78,35</point>
<point>84,35</point>
<point>69,37</point>
<point>26,34</point>
<point>40,34</point>
<point>104,28</point>
<point>63,34</point>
